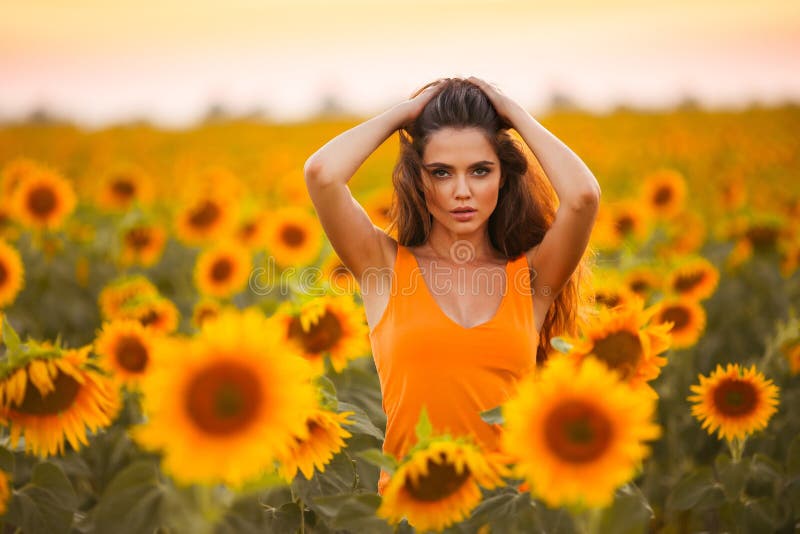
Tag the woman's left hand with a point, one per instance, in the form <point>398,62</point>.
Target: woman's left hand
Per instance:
<point>504,105</point>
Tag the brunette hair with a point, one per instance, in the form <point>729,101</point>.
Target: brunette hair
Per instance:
<point>526,202</point>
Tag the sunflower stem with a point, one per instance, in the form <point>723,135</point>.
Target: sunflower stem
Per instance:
<point>588,520</point>
<point>736,447</point>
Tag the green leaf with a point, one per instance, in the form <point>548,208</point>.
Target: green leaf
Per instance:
<point>10,337</point>
<point>6,460</point>
<point>507,512</point>
<point>339,477</point>
<point>361,422</point>
<point>560,344</point>
<point>493,416</point>
<point>353,512</point>
<point>628,514</point>
<point>132,502</point>
<point>732,475</point>
<point>693,487</point>
<point>284,519</point>
<point>375,457</point>
<point>424,429</point>
<point>46,504</point>
<point>764,468</point>
<point>327,392</point>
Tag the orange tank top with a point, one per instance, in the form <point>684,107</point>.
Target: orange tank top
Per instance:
<point>423,357</point>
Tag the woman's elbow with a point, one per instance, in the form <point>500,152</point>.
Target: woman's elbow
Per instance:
<point>314,169</point>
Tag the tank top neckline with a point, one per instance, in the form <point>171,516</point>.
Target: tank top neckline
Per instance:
<point>426,290</point>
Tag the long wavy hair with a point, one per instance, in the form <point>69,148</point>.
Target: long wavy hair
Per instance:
<point>526,201</point>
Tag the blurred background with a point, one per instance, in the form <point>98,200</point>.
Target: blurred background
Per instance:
<point>152,189</point>
<point>175,62</point>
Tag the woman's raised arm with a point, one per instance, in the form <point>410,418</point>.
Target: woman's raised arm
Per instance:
<point>357,241</point>
<point>556,257</point>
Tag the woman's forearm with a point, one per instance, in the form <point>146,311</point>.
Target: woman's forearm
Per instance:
<point>572,180</point>
<point>339,159</point>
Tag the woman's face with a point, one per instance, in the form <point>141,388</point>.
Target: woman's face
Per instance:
<point>460,169</point>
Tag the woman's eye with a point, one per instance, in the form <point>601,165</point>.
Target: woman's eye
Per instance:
<point>482,171</point>
<point>436,172</point>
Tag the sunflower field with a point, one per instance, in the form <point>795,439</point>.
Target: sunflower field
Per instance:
<point>183,352</point>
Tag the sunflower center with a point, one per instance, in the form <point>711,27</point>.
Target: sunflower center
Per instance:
<point>293,235</point>
<point>131,354</point>
<point>607,299</point>
<point>42,201</point>
<point>65,390</point>
<point>663,196</point>
<point>321,336</point>
<point>247,230</point>
<point>3,273</point>
<point>620,351</point>
<point>640,286</point>
<point>441,481</point>
<point>624,224</point>
<point>221,270</point>
<point>677,315</point>
<point>762,236</point>
<point>223,398</point>
<point>138,238</point>
<point>686,282</point>
<point>735,397</point>
<point>123,188</point>
<point>149,318</point>
<point>204,215</point>
<point>577,432</point>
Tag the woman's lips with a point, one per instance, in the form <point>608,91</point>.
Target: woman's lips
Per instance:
<point>463,215</point>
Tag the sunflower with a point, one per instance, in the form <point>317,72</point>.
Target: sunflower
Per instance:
<point>577,434</point>
<point>252,231</point>
<point>125,186</point>
<point>688,320</point>
<point>55,398</point>
<point>695,278</point>
<point>154,311</point>
<point>734,402</point>
<point>643,281</point>
<point>125,347</point>
<point>293,236</point>
<point>622,339</point>
<point>204,310</point>
<point>790,350</point>
<point>225,404</point>
<point>203,220</point>
<point>12,274</point>
<point>684,235</point>
<point>43,200</point>
<point>223,270</point>
<point>15,172</point>
<point>618,222</point>
<point>142,245</point>
<point>327,325</point>
<point>337,277</point>
<point>664,192</point>
<point>117,294</point>
<point>325,438</point>
<point>439,485</point>
<point>609,290</point>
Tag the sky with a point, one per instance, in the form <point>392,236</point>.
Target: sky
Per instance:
<point>99,62</point>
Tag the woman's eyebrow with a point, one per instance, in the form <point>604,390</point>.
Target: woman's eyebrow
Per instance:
<point>446,166</point>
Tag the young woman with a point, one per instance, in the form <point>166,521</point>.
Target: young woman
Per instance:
<point>484,270</point>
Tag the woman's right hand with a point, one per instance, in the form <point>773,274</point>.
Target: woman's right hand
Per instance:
<point>414,105</point>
